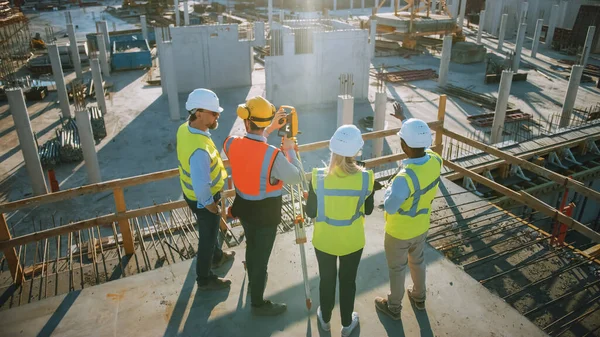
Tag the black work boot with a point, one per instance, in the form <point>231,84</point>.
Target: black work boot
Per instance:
<point>269,309</point>
<point>227,256</point>
<point>217,283</point>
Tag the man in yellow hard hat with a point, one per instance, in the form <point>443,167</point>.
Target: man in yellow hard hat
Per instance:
<point>407,205</point>
<point>258,171</point>
<point>202,176</point>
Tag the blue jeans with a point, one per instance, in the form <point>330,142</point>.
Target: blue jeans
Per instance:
<point>209,248</point>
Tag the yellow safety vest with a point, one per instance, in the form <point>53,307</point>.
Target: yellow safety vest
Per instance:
<point>412,219</point>
<point>339,226</point>
<point>187,144</point>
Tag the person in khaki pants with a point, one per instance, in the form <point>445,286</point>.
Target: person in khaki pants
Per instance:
<point>407,212</point>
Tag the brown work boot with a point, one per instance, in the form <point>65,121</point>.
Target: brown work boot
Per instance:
<point>420,305</point>
<point>269,309</point>
<point>381,304</point>
<point>217,283</point>
<point>227,255</point>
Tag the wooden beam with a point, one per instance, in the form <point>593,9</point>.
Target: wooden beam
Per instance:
<point>593,251</point>
<point>539,170</point>
<point>124,225</point>
<point>528,200</point>
<point>84,224</point>
<point>161,175</point>
<point>540,152</point>
<point>440,117</point>
<point>10,253</point>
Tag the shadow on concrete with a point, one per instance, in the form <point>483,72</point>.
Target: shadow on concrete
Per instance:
<point>393,328</point>
<point>59,314</point>
<point>203,317</point>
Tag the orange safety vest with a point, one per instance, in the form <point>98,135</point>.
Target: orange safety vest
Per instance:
<point>251,163</point>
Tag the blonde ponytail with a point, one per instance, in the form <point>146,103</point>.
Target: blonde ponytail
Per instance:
<point>346,164</point>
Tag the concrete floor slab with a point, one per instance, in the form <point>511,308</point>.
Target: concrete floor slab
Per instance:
<point>164,302</point>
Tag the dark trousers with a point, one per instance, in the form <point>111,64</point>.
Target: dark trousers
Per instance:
<point>259,244</point>
<point>209,249</point>
<point>328,273</point>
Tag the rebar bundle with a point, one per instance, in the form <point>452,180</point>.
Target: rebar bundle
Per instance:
<point>97,120</point>
<point>70,146</point>
<point>50,154</point>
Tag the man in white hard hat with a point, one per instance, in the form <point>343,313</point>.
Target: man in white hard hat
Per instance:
<point>407,206</point>
<point>202,176</point>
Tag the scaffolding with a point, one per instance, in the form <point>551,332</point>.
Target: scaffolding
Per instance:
<point>15,41</point>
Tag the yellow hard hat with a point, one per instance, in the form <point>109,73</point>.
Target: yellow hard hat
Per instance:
<point>258,110</point>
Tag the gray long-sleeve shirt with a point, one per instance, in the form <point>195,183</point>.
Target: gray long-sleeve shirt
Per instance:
<point>286,168</point>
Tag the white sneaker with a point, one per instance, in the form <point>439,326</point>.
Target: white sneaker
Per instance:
<point>347,330</point>
<point>324,326</point>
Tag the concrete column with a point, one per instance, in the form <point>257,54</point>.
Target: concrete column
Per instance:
<point>103,57</point>
<point>519,47</point>
<point>562,12</point>
<point>454,10</point>
<point>98,88</point>
<point>481,23</point>
<point>335,5</point>
<point>59,78</point>
<point>373,37</point>
<point>362,4</point>
<point>461,16</point>
<point>177,19</point>
<point>570,95</point>
<point>18,109</point>
<point>589,40</point>
<point>270,13</point>
<point>502,32</point>
<point>523,13</point>
<point>144,27</point>
<point>351,4</point>
<point>433,8</point>
<point>161,65</point>
<point>501,103</point>
<point>551,26</point>
<point>103,29</point>
<point>536,37</point>
<point>281,15</point>
<point>186,13</point>
<point>220,19</point>
<point>379,122</point>
<point>88,145</point>
<point>171,81</point>
<point>345,110</point>
<point>74,51</point>
<point>445,61</point>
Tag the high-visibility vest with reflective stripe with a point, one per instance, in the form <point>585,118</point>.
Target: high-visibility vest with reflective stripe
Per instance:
<point>187,144</point>
<point>251,164</point>
<point>412,219</point>
<point>339,225</point>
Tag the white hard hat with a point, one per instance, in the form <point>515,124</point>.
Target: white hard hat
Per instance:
<point>346,141</point>
<point>203,99</point>
<point>415,133</point>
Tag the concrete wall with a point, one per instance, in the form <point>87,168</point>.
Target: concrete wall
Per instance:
<point>212,56</point>
<point>538,9</point>
<point>313,78</point>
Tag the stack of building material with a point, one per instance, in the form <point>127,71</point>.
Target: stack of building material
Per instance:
<point>475,98</point>
<point>97,119</point>
<point>408,75</point>
<point>467,52</point>
<point>70,146</point>
<point>50,154</point>
<point>486,120</point>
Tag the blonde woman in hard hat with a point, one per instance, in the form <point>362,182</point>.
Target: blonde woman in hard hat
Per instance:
<point>407,206</point>
<point>339,197</point>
